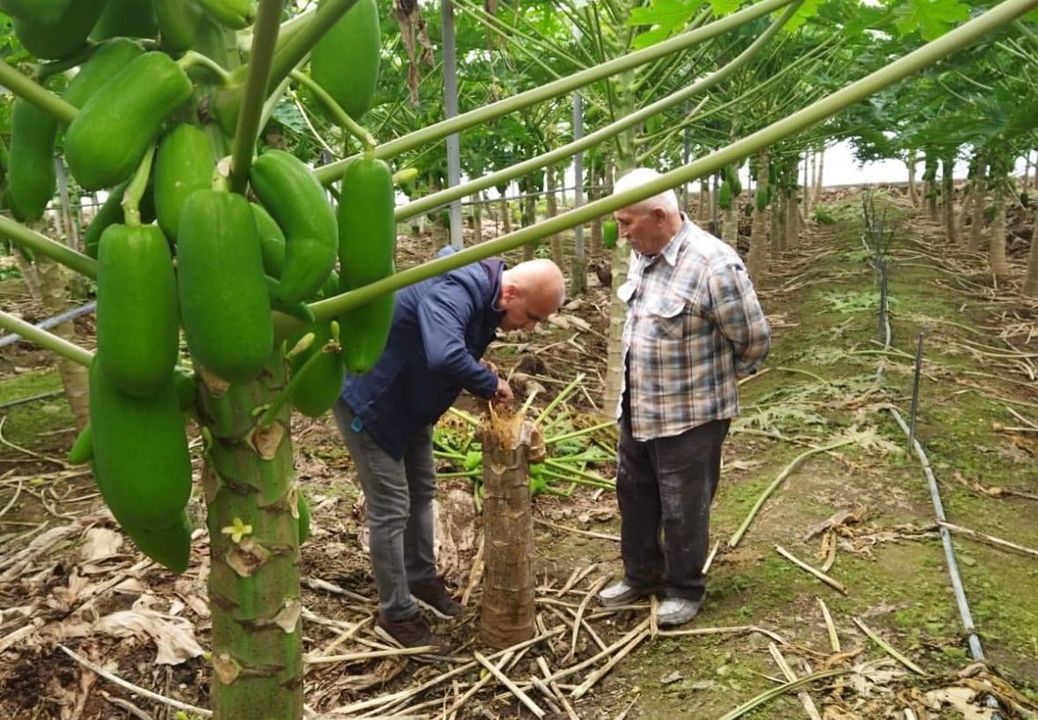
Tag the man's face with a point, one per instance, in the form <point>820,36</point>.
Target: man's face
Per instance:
<point>523,310</point>
<point>643,227</point>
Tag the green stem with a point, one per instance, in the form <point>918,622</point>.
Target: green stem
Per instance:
<point>566,392</point>
<point>43,245</point>
<point>915,61</point>
<point>593,477</point>
<point>264,41</point>
<point>580,433</point>
<point>41,97</point>
<point>192,58</point>
<point>440,130</point>
<point>577,480</point>
<point>443,197</point>
<point>304,39</point>
<point>345,121</point>
<point>47,341</point>
<point>135,190</point>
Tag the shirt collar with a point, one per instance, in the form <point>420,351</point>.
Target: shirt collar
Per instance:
<point>670,251</point>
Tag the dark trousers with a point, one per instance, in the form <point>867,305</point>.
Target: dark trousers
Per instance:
<point>665,487</point>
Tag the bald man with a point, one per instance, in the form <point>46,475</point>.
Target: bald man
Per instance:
<point>441,328</point>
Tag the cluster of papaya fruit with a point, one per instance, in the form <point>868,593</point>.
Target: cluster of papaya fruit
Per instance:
<point>191,253</point>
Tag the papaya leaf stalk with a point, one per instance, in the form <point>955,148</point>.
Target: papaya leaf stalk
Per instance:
<point>28,89</point>
<point>47,341</point>
<point>264,40</point>
<point>803,119</point>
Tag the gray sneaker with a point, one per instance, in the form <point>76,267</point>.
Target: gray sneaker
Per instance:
<point>677,611</point>
<point>623,594</point>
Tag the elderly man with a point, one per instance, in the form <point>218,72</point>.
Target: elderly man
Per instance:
<point>441,328</point>
<point>694,326</point>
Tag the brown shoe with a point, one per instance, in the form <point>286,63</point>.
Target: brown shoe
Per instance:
<point>433,596</point>
<point>410,632</point>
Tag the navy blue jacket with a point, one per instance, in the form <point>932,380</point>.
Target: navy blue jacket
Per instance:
<point>441,328</point>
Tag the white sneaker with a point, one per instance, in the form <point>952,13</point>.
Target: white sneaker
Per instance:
<point>621,593</point>
<point>677,611</point>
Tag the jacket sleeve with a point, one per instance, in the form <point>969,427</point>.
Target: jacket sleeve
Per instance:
<point>739,316</point>
<point>443,316</point>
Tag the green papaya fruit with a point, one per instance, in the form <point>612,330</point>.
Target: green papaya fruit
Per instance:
<point>296,201</point>
<point>137,323</point>
<point>224,304</point>
<point>125,18</point>
<point>82,449</point>
<point>107,139</point>
<point>32,179</point>
<point>107,61</point>
<point>345,61</point>
<point>303,508</point>
<point>141,462</point>
<point>272,242</point>
<point>178,22</point>
<point>37,11</point>
<point>169,546</point>
<point>610,234</point>
<point>184,163</point>
<point>52,38</point>
<point>367,245</point>
<point>317,390</point>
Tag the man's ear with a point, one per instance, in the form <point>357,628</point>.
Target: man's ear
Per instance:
<point>659,214</point>
<point>510,292</point>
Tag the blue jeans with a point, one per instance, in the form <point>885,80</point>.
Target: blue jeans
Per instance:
<point>399,495</point>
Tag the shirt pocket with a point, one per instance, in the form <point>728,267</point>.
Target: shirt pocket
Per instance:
<point>668,317</point>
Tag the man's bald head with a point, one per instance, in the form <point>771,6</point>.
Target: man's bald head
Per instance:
<point>530,292</point>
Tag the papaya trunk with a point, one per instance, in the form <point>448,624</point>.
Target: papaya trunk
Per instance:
<point>626,159</point>
<point>506,215</point>
<point>254,550</point>
<point>730,224</point>
<point>978,198</point>
<point>948,199</point>
<point>53,279</point>
<point>477,219</point>
<point>1031,278</point>
<point>819,169</point>
<point>913,194</point>
<point>792,221</point>
<point>997,234</point>
<point>553,210</point>
<point>759,229</point>
<point>507,611</point>
<point>529,218</point>
<point>703,211</point>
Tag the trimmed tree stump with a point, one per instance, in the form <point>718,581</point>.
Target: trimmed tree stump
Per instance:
<point>510,443</point>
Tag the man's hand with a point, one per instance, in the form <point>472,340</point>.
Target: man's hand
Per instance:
<point>503,396</point>
<point>489,366</point>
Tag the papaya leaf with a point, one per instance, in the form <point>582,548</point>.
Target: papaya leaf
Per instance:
<point>931,18</point>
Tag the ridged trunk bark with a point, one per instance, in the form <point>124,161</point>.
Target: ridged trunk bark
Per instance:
<point>553,210</point>
<point>254,594</point>
<point>997,233</point>
<point>792,221</point>
<point>626,157</point>
<point>759,227</point>
<point>913,193</point>
<point>978,201</point>
<point>507,611</point>
<point>1030,287</point>
<point>819,174</point>
<point>529,218</point>
<point>477,219</point>
<point>948,200</point>
<point>53,288</point>
<point>703,210</point>
<point>730,225</point>
<point>506,216</point>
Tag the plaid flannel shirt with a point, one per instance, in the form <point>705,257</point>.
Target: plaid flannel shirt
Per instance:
<point>694,325</point>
